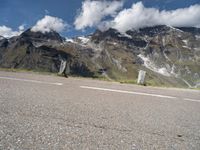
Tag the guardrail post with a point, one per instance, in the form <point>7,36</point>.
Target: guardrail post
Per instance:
<point>62,67</point>
<point>141,77</point>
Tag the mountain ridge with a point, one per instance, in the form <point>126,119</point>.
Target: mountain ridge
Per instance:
<point>170,55</point>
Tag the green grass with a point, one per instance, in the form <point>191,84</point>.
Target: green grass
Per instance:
<point>27,71</point>
<point>128,81</point>
<point>156,84</point>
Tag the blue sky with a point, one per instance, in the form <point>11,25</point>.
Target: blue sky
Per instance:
<point>13,13</point>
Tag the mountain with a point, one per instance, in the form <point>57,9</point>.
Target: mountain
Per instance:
<point>170,55</point>
<point>38,51</point>
<point>39,38</point>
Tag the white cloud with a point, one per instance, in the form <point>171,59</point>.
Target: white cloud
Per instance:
<point>93,12</point>
<point>8,32</point>
<point>139,16</point>
<point>22,27</point>
<point>49,23</point>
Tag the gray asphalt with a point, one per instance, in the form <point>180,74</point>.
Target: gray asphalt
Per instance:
<point>38,113</point>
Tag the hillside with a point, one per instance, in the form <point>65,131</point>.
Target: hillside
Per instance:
<point>171,56</point>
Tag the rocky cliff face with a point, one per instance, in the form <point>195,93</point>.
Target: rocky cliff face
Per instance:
<point>171,56</point>
<point>38,51</point>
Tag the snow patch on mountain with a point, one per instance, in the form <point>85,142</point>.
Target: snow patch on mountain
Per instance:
<point>173,28</point>
<point>197,37</point>
<point>83,39</point>
<point>70,40</point>
<point>150,65</point>
<point>186,47</point>
<point>186,44</point>
<point>125,35</point>
<point>185,41</point>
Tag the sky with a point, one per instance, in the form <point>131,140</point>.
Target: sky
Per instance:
<point>77,17</point>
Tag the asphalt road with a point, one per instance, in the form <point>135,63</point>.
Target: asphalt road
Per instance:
<point>50,112</point>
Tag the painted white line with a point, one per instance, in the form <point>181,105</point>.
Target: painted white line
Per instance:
<point>32,81</point>
<point>127,92</point>
<point>192,100</point>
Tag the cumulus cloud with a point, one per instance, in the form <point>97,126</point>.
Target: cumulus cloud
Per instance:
<point>49,23</point>
<point>8,32</point>
<point>139,16</point>
<point>93,12</point>
<point>21,28</point>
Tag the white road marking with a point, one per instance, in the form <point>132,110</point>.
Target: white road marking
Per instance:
<point>127,92</point>
<point>139,93</point>
<point>192,100</point>
<point>32,81</point>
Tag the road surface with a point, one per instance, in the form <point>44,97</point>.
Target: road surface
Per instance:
<point>50,112</point>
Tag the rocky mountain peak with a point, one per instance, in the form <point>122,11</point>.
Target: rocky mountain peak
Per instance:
<point>39,36</point>
<point>115,36</point>
<point>3,42</point>
<point>193,30</point>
